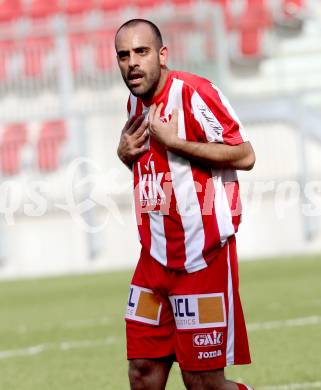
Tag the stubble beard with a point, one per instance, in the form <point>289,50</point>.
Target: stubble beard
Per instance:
<point>151,85</point>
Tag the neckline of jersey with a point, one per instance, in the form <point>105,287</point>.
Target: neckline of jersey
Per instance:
<point>160,96</point>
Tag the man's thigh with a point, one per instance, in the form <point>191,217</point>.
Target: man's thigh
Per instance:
<point>210,326</point>
<point>150,325</point>
<point>150,329</point>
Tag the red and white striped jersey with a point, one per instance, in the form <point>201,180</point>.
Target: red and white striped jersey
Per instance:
<point>186,211</point>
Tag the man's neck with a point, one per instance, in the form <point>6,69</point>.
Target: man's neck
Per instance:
<point>162,81</point>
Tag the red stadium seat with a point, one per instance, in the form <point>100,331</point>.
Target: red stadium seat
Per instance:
<point>114,5</point>
<point>178,47</point>
<point>105,55</point>
<point>250,43</point>
<point>73,7</point>
<point>10,10</point>
<point>5,52</point>
<point>182,2</point>
<point>3,66</point>
<point>43,8</point>
<point>76,42</point>
<point>100,43</point>
<point>35,49</point>
<point>52,135</point>
<point>262,12</point>
<point>225,8</point>
<point>253,22</point>
<point>257,13</point>
<point>148,3</point>
<point>13,139</point>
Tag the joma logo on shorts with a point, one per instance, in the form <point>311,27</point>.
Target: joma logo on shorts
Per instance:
<point>210,354</point>
<point>206,339</point>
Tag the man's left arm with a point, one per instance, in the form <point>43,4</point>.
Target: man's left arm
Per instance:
<point>214,155</point>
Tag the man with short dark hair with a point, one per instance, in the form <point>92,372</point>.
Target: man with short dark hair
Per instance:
<point>183,143</point>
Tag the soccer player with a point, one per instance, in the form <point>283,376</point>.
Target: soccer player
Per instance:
<point>183,143</point>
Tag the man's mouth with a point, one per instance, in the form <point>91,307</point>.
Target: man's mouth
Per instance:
<point>135,78</point>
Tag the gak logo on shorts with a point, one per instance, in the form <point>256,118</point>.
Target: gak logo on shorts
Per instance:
<point>199,311</point>
<point>207,339</point>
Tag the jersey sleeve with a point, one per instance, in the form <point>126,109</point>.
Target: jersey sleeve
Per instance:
<point>216,117</point>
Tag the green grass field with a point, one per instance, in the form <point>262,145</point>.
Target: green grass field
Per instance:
<point>68,333</point>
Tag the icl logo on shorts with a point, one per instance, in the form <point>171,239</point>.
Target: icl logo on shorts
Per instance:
<point>143,306</point>
<point>199,311</point>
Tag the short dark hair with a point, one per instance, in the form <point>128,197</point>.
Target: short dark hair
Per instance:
<point>154,28</point>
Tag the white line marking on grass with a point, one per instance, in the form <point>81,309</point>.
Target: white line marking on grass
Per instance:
<point>83,323</point>
<point>293,386</point>
<point>62,346</point>
<point>29,351</point>
<point>313,320</point>
<point>92,322</point>
<point>66,345</point>
<point>86,323</point>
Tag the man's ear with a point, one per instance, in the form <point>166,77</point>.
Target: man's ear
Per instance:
<point>163,53</point>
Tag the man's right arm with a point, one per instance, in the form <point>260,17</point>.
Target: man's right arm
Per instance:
<point>132,140</point>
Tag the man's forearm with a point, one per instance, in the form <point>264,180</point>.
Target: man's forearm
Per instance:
<point>216,155</point>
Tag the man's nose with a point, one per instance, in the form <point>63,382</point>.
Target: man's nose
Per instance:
<point>133,60</point>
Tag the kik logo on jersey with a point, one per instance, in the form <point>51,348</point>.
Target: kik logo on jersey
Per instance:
<point>199,311</point>
<point>143,306</point>
<point>150,189</point>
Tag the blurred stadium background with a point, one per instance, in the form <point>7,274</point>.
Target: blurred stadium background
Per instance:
<point>65,199</point>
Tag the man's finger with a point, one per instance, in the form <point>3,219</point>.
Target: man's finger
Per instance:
<point>139,151</point>
<point>151,113</point>
<point>142,139</point>
<point>141,130</point>
<point>135,125</point>
<point>174,118</point>
<point>158,111</point>
<point>129,122</point>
